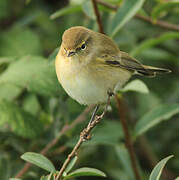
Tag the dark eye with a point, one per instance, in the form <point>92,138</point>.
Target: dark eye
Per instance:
<point>83,46</point>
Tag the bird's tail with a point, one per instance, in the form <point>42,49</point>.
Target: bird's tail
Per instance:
<point>131,64</point>
<point>151,71</point>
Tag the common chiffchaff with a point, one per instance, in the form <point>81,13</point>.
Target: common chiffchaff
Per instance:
<point>89,65</point>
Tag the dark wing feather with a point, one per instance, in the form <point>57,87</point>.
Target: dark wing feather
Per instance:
<point>131,64</point>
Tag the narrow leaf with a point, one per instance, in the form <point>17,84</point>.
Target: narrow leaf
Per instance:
<point>163,7</point>
<point>85,172</point>
<point>157,115</point>
<point>88,9</point>
<point>153,42</point>
<point>124,158</point>
<point>15,179</point>
<point>128,9</point>
<point>50,177</point>
<point>38,160</point>
<point>71,164</point>
<point>44,178</point>
<point>66,10</point>
<point>156,172</point>
<point>136,85</point>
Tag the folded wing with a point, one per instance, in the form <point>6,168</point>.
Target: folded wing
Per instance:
<point>131,64</point>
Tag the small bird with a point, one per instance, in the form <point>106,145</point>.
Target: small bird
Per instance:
<point>89,66</point>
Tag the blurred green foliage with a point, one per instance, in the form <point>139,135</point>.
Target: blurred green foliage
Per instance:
<point>34,107</point>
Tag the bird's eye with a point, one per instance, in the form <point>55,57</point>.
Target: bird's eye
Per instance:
<point>83,46</point>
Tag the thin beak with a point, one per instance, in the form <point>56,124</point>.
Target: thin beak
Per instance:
<point>71,53</point>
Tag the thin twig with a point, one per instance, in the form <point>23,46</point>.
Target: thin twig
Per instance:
<point>129,146</point>
<point>160,23</point>
<point>52,143</point>
<point>84,136</point>
<point>108,5</point>
<point>98,17</point>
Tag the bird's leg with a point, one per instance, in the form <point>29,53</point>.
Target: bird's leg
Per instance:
<point>85,134</point>
<point>94,114</point>
<point>97,107</point>
<point>95,119</point>
<point>107,103</point>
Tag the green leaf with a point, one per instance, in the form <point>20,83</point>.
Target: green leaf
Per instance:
<point>7,60</point>
<point>20,42</point>
<point>88,9</point>
<point>128,9</point>
<point>31,104</point>
<point>21,122</point>
<point>9,91</point>
<point>48,177</point>
<point>85,172</point>
<point>146,102</point>
<point>34,73</point>
<point>39,160</point>
<point>124,158</point>
<point>4,62</point>
<point>154,41</point>
<point>66,10</point>
<point>154,117</point>
<point>15,179</point>
<point>177,178</point>
<point>164,7</point>
<point>71,164</point>
<point>156,172</point>
<point>136,85</point>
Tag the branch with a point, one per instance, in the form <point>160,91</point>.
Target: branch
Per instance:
<point>159,23</point>
<point>52,143</point>
<point>98,18</point>
<point>129,146</point>
<point>84,136</point>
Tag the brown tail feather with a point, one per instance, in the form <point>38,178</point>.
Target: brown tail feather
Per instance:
<point>152,71</point>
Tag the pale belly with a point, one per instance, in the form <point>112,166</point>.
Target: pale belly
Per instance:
<point>91,85</point>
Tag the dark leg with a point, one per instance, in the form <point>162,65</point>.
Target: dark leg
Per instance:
<point>97,107</point>
<point>94,114</point>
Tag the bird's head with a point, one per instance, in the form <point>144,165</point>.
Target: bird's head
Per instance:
<point>77,41</point>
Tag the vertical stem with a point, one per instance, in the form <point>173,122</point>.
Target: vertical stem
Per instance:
<point>98,18</point>
<point>129,146</point>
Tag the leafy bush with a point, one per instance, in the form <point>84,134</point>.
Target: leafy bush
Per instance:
<point>37,115</point>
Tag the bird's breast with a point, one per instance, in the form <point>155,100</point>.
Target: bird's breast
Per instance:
<point>88,84</point>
